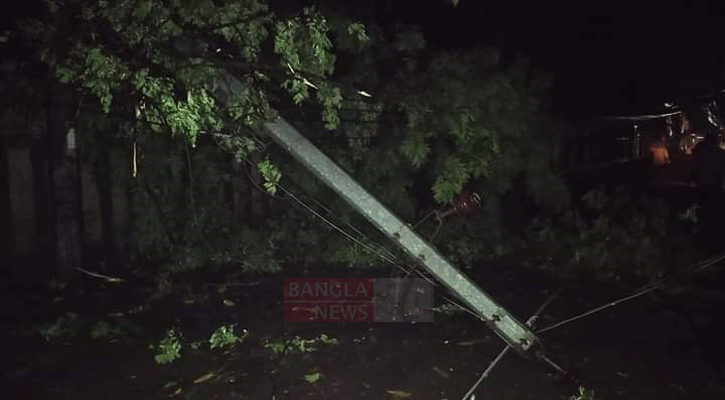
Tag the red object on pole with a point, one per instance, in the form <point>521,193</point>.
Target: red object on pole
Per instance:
<point>467,202</point>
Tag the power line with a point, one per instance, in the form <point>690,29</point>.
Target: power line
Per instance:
<point>702,265</point>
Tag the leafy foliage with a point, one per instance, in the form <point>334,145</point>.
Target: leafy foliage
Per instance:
<point>386,108</point>
<point>181,208</point>
<point>271,175</point>
<point>298,345</point>
<point>224,336</point>
<point>313,378</point>
<point>583,394</point>
<point>168,349</point>
<point>115,329</point>
<point>165,59</point>
<point>64,327</point>
<point>625,236</point>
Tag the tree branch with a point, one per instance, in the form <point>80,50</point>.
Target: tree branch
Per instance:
<point>239,21</point>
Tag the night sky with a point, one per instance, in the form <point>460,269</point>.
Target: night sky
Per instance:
<point>617,57</point>
<point>607,58</point>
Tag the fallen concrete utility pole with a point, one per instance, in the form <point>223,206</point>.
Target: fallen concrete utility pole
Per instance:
<point>515,333</point>
<point>511,330</point>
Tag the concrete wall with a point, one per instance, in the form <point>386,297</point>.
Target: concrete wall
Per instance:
<point>25,242</point>
<point>22,202</point>
<point>92,223</point>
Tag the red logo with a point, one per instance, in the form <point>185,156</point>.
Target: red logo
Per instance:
<point>329,300</point>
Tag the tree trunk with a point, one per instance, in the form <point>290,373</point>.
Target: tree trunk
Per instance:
<point>104,183</point>
<point>68,219</point>
<point>65,202</point>
<point>5,225</point>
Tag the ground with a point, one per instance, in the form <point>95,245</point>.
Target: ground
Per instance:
<point>662,346</point>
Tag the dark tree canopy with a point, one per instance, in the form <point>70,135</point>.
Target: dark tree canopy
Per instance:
<point>386,107</point>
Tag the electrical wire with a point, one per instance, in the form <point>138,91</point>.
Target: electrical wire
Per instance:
<point>355,229</point>
<point>337,228</point>
<point>698,267</point>
<point>390,260</point>
<point>530,323</point>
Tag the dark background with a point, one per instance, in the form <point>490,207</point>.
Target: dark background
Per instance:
<point>607,57</point>
<point>621,57</point>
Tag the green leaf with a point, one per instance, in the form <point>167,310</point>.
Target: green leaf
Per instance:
<point>450,180</point>
<point>271,175</point>
<point>313,377</point>
<point>358,31</point>
<point>415,150</point>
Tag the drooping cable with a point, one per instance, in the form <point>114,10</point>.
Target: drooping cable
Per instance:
<point>700,266</point>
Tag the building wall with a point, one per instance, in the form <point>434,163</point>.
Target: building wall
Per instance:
<point>92,222</point>
<point>120,216</point>
<point>22,202</point>
<point>24,243</point>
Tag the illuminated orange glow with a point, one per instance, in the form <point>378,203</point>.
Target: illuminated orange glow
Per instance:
<point>688,143</point>
<point>660,155</point>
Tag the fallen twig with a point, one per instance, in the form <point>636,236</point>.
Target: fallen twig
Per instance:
<point>100,276</point>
